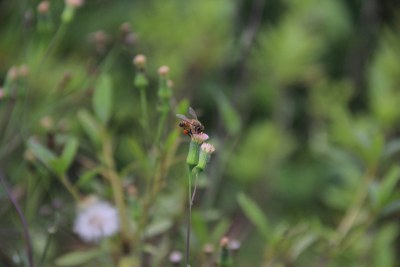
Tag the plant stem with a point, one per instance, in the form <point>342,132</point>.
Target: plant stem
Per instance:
<point>189,223</point>
<point>354,210</point>
<point>71,189</point>
<point>145,116</point>
<point>116,186</point>
<point>25,228</point>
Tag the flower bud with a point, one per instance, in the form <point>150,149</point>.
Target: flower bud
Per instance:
<point>139,61</point>
<point>43,7</point>
<point>163,71</point>
<point>205,155</point>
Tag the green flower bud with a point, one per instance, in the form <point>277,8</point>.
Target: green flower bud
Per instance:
<point>193,155</point>
<point>140,80</point>
<point>194,149</point>
<point>205,155</point>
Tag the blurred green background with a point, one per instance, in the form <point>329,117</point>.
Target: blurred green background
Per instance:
<point>300,97</point>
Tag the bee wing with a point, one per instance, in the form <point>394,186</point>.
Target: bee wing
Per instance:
<point>183,117</point>
<point>192,112</point>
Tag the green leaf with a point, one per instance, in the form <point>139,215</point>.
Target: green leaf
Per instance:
<point>387,186</point>
<point>230,117</point>
<point>302,244</point>
<point>85,179</point>
<point>138,153</point>
<point>158,227</point>
<point>90,126</point>
<point>41,152</point>
<point>102,98</point>
<point>68,153</point>
<point>78,257</point>
<point>254,214</point>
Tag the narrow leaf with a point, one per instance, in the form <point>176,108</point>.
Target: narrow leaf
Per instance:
<point>102,98</point>
<point>77,257</point>
<point>41,152</point>
<point>90,126</point>
<point>254,214</point>
<point>68,153</point>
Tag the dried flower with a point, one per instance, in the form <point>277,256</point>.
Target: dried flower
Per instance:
<point>163,71</point>
<point>96,220</point>
<point>206,150</point>
<point>224,242</point>
<point>43,7</point>
<point>74,3</point>
<point>139,61</point>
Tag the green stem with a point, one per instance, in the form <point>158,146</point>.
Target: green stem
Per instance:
<point>145,116</point>
<point>189,223</point>
<point>161,126</point>
<point>354,210</point>
<point>116,187</point>
<point>71,189</point>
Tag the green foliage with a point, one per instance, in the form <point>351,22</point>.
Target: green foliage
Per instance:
<point>300,99</point>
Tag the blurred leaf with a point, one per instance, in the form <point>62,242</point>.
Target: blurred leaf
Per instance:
<point>102,98</point>
<point>78,257</point>
<point>138,153</point>
<point>69,153</point>
<point>86,178</point>
<point>128,261</point>
<point>384,249</point>
<point>388,185</point>
<point>261,150</point>
<point>90,126</point>
<point>229,115</point>
<point>392,207</point>
<point>41,152</point>
<point>384,78</point>
<point>254,214</point>
<point>219,230</point>
<point>302,244</point>
<point>199,226</point>
<point>158,227</point>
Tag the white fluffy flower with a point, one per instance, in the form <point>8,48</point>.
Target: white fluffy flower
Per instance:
<point>96,220</point>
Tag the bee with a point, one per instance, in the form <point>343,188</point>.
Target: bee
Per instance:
<point>190,126</point>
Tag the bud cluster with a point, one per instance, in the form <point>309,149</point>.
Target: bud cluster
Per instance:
<point>199,152</point>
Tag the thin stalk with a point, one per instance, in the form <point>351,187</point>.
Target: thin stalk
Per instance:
<point>46,248</point>
<point>354,210</point>
<point>189,223</point>
<point>70,188</point>
<point>25,228</point>
<point>116,187</point>
<point>143,105</point>
<point>161,126</point>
